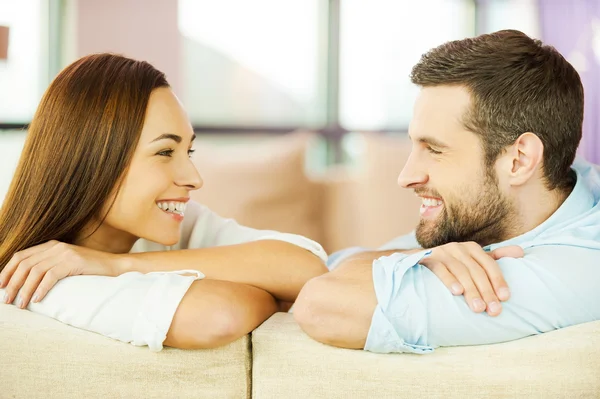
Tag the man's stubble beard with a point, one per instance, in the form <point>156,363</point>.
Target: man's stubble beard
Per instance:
<point>487,220</point>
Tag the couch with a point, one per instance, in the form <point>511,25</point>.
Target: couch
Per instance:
<point>43,358</point>
<point>264,183</point>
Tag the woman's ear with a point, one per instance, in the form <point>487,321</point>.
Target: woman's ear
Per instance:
<point>524,158</point>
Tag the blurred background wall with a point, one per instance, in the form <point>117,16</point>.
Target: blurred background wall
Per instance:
<point>251,71</point>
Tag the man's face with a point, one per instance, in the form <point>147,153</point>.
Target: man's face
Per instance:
<point>461,200</point>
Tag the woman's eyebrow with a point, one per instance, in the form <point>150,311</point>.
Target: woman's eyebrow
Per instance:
<point>168,136</point>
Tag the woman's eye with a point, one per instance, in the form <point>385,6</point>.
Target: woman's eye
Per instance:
<point>191,152</point>
<point>431,150</point>
<point>165,153</point>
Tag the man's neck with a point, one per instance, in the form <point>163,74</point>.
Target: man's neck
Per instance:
<point>536,205</point>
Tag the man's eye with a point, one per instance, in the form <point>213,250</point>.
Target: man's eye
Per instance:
<point>165,153</point>
<point>431,150</point>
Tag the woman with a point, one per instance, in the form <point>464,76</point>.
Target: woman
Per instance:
<point>102,188</point>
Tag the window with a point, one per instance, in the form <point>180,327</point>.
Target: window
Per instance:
<point>25,74</point>
<point>254,63</point>
<point>521,15</point>
<point>380,41</point>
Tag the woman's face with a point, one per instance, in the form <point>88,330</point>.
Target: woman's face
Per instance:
<point>152,199</point>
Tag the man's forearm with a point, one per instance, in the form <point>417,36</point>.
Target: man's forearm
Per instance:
<point>214,313</point>
<point>278,267</point>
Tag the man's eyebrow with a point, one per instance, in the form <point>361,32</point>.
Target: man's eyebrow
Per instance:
<point>431,141</point>
<point>170,136</point>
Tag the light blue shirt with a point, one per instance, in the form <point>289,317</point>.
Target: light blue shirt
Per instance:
<point>556,284</point>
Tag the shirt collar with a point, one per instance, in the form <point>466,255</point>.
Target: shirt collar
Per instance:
<point>580,201</point>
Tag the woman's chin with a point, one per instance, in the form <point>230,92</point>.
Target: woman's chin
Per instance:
<point>165,240</point>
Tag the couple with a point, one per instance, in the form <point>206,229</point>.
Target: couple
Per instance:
<point>97,230</point>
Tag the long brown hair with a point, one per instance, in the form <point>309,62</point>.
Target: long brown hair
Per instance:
<point>78,146</point>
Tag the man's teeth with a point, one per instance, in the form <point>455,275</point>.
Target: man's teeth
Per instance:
<point>431,202</point>
<point>173,207</point>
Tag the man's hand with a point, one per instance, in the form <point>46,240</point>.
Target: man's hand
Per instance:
<point>466,269</point>
<point>36,270</point>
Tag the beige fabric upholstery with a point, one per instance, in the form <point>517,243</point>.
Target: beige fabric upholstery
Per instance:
<point>364,206</point>
<point>386,209</point>
<point>42,358</point>
<point>261,184</point>
<point>560,364</point>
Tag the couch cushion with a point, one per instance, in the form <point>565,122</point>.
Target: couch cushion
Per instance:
<point>42,358</point>
<point>381,210</point>
<point>261,182</point>
<point>559,364</point>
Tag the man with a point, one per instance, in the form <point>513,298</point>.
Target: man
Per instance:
<point>495,130</point>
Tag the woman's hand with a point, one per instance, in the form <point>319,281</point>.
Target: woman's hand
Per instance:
<point>36,270</point>
<point>466,269</point>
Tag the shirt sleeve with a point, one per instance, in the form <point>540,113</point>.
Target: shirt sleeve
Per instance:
<point>133,307</point>
<point>203,228</point>
<point>336,258</point>
<point>416,312</point>
<point>407,241</point>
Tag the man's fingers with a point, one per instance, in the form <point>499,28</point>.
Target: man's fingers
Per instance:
<point>462,274</point>
<point>512,251</point>
<point>494,274</point>
<point>483,284</point>
<point>445,276</point>
<point>17,258</point>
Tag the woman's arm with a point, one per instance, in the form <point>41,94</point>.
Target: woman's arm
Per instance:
<point>278,267</point>
<point>220,248</point>
<point>156,309</point>
<point>215,313</point>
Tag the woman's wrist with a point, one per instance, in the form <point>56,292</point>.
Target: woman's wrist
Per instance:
<point>120,264</point>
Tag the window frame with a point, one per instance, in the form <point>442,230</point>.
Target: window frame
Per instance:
<point>332,131</point>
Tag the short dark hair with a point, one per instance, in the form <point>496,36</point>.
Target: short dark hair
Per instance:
<point>517,85</point>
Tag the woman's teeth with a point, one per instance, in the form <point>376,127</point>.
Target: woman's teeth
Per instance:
<point>172,207</point>
<point>430,202</point>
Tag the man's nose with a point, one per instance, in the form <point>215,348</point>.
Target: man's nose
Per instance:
<point>413,174</point>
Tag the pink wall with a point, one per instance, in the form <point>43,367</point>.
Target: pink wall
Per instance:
<point>140,29</point>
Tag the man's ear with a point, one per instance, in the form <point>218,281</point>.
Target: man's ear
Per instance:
<point>524,158</point>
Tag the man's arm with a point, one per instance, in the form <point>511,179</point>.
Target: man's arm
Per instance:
<point>403,307</point>
<point>341,323</point>
<point>336,308</point>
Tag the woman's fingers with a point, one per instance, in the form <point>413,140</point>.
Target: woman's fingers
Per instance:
<point>21,273</point>
<point>50,279</point>
<point>39,281</point>
<point>10,268</point>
